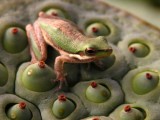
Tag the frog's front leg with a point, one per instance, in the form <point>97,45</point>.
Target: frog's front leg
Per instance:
<point>59,67</point>
<point>36,42</point>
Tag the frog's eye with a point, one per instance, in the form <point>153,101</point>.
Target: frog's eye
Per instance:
<point>90,51</point>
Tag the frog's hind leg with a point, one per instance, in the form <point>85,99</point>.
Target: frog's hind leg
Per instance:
<point>37,44</point>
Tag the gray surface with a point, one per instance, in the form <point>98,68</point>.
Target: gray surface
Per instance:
<point>140,8</point>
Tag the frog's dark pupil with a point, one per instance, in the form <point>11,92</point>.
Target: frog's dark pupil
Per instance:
<point>90,51</point>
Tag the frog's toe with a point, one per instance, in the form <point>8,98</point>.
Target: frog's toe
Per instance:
<point>41,13</point>
<point>62,86</point>
<point>62,83</point>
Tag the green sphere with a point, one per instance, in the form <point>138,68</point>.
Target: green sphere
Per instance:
<point>145,82</point>
<point>97,93</point>
<point>139,49</point>
<point>131,114</point>
<point>63,107</point>
<point>3,75</point>
<point>38,77</point>
<point>15,40</point>
<point>97,29</point>
<point>16,112</point>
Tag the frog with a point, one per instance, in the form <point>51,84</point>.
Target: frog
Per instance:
<point>65,37</point>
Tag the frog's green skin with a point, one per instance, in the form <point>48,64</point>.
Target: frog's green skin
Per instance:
<point>67,39</point>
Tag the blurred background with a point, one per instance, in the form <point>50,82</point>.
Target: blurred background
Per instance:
<point>149,10</point>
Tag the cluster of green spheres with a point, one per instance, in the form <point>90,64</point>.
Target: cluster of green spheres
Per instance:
<point>35,81</point>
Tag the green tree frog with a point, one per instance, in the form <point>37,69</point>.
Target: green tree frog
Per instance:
<point>65,37</point>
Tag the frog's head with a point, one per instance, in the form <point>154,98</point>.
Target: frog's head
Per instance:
<point>97,47</point>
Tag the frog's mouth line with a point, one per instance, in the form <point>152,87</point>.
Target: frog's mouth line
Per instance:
<point>107,51</point>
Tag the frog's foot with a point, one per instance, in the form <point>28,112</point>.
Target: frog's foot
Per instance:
<point>62,82</point>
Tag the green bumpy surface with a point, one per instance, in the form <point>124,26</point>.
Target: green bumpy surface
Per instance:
<point>103,91</point>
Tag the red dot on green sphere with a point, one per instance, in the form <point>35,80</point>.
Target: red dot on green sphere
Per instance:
<point>94,84</point>
<point>94,29</point>
<point>54,14</point>
<point>62,98</point>
<point>22,105</point>
<point>127,108</point>
<point>95,119</point>
<point>148,76</point>
<point>41,64</point>
<point>15,30</point>
<point>132,49</point>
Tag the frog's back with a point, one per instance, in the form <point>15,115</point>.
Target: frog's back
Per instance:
<point>64,34</point>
